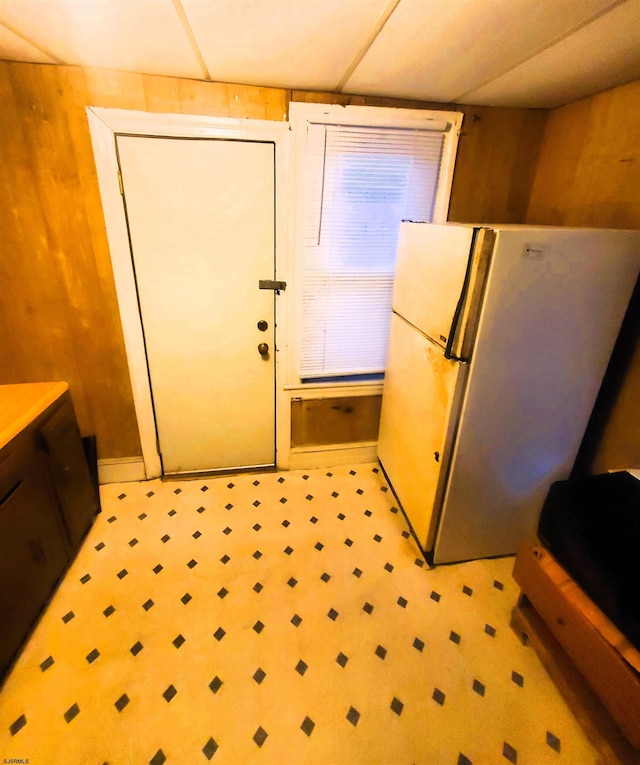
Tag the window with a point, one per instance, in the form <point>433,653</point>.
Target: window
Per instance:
<point>358,181</point>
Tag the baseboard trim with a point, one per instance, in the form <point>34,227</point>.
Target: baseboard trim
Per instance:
<point>121,470</point>
<point>127,469</point>
<point>332,455</point>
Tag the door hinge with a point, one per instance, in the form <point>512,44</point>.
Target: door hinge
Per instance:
<point>269,284</point>
<point>120,184</point>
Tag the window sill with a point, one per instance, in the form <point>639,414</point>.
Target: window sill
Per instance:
<point>334,390</point>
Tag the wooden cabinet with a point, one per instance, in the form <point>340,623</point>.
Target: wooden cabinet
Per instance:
<point>47,503</point>
<point>572,626</point>
<point>68,470</point>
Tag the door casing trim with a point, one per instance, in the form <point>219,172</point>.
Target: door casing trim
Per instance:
<point>104,125</point>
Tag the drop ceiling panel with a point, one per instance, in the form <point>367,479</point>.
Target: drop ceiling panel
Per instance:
<point>305,44</point>
<point>439,50</point>
<point>601,55</point>
<point>143,36</point>
<point>14,48</point>
<point>537,53</point>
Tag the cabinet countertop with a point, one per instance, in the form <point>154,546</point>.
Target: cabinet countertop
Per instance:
<point>20,404</point>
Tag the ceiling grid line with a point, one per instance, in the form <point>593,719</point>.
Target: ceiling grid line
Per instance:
<point>33,44</point>
<point>177,4</point>
<point>527,53</point>
<point>384,17</point>
<point>542,48</point>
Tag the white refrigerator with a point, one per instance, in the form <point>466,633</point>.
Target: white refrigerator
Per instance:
<point>500,338</point>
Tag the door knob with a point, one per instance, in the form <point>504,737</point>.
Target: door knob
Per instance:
<point>263,349</point>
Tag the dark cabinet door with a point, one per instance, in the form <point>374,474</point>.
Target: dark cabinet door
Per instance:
<point>33,553</point>
<point>69,471</point>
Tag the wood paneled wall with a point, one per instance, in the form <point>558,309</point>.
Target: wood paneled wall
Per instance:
<point>496,164</point>
<point>59,316</point>
<point>58,313</point>
<point>589,175</point>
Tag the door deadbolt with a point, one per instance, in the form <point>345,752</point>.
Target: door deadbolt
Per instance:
<point>263,349</point>
<point>262,325</point>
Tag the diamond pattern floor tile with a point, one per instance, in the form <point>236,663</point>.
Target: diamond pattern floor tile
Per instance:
<point>278,618</point>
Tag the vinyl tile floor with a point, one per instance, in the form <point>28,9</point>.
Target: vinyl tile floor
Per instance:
<point>277,618</point>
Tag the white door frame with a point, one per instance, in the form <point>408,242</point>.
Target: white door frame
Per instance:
<point>104,125</point>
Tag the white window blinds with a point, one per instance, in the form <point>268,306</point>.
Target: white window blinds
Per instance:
<point>360,182</point>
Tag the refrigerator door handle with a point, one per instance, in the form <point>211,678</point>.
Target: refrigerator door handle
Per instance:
<point>465,319</point>
<point>455,324</point>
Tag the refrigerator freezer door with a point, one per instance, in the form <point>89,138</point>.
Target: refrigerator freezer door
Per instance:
<point>430,274</point>
<point>421,389</point>
<point>554,302</point>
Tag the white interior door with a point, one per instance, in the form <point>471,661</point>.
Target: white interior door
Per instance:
<point>201,223</point>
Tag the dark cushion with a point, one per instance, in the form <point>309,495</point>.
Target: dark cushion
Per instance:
<point>592,527</point>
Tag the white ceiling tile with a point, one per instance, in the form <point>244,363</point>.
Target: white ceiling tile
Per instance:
<point>143,36</point>
<point>601,55</point>
<point>304,44</point>
<point>440,49</point>
<point>502,52</point>
<point>14,48</point>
